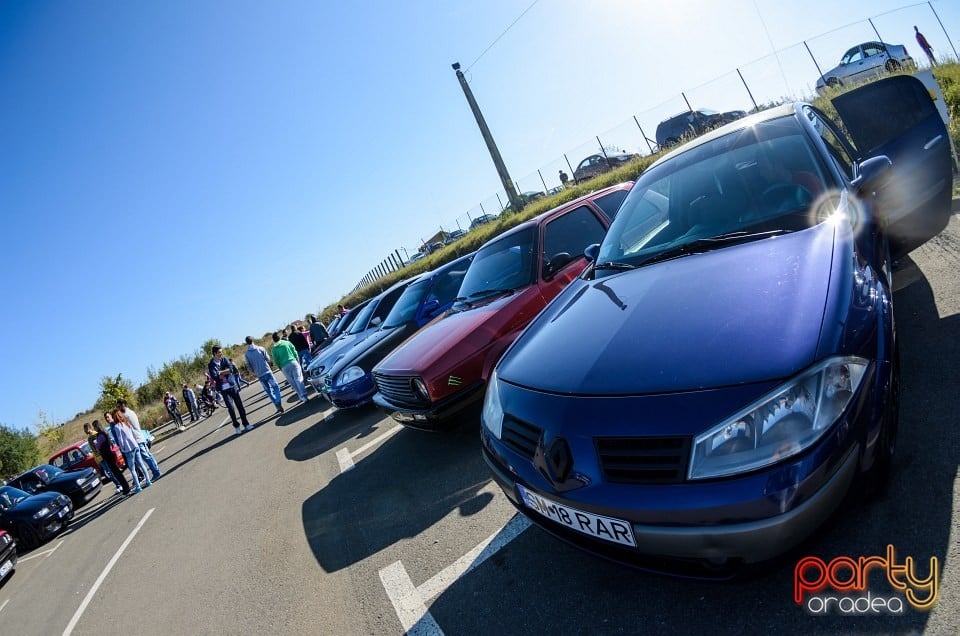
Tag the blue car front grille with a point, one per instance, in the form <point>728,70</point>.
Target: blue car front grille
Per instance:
<point>643,460</point>
<point>521,437</point>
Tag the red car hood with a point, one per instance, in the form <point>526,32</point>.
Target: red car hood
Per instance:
<point>456,336</point>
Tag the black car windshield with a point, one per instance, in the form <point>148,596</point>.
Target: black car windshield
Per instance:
<point>504,264</point>
<point>46,473</point>
<point>360,323</point>
<point>759,180</point>
<point>406,308</point>
<point>10,497</point>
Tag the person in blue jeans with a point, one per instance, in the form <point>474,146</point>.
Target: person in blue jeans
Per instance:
<point>141,438</point>
<point>126,439</point>
<point>258,361</point>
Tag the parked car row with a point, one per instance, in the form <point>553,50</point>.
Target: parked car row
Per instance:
<point>704,374</point>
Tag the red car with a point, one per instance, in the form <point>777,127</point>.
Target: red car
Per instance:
<point>443,368</point>
<point>79,455</point>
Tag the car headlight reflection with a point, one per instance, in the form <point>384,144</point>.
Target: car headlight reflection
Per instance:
<point>351,374</point>
<point>492,414</point>
<point>43,512</point>
<point>781,424</point>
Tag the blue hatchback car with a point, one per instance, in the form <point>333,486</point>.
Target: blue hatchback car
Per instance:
<point>347,380</point>
<point>711,388</point>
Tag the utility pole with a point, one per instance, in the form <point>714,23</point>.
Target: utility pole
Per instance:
<point>505,179</point>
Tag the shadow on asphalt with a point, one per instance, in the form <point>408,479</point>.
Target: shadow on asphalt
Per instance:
<point>913,515</point>
<point>331,432</point>
<point>403,487</point>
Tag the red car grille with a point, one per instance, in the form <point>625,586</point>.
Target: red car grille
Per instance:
<point>398,390</point>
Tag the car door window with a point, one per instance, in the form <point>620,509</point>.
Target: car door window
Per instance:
<point>851,56</point>
<point>572,233</point>
<point>837,148</point>
<point>869,50</point>
<point>610,203</point>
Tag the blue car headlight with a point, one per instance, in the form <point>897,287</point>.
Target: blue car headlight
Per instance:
<point>350,374</point>
<point>783,423</point>
<point>492,414</point>
<point>43,512</point>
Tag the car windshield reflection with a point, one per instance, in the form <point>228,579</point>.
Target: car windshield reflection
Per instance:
<point>760,179</point>
<point>502,265</point>
<point>10,497</point>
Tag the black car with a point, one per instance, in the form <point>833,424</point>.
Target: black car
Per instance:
<point>33,519</point>
<point>689,124</point>
<point>80,485</point>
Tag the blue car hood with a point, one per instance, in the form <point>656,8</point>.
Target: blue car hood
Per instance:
<point>741,314</point>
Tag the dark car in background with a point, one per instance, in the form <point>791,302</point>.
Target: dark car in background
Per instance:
<point>33,519</point>
<point>865,61</point>
<point>8,554</point>
<point>365,323</point>
<point>595,165</point>
<point>483,219</point>
<point>348,382</point>
<point>691,123</point>
<point>342,324</point>
<point>442,369</point>
<point>80,485</point>
<point>453,236</point>
<point>728,368</point>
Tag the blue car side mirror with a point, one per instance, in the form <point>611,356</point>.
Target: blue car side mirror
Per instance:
<point>872,174</point>
<point>592,252</point>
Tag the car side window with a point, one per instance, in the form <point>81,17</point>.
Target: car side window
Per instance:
<point>853,55</point>
<point>572,233</point>
<point>869,50</point>
<point>837,148</point>
<point>386,304</point>
<point>610,203</point>
<point>57,461</point>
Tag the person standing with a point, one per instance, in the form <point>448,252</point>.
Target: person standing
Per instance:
<point>191,399</point>
<point>299,341</point>
<point>145,453</point>
<point>105,467</point>
<point>102,442</point>
<point>127,441</point>
<point>318,333</point>
<point>173,408</point>
<point>259,362</point>
<point>285,356</point>
<point>219,369</point>
<point>238,382</point>
<point>563,179</point>
<point>922,41</point>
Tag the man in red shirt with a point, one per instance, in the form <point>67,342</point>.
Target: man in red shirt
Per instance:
<point>922,41</point>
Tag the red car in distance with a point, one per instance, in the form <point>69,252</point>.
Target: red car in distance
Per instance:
<point>79,455</point>
<point>443,368</point>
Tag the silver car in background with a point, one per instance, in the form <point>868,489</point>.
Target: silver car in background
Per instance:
<point>864,61</point>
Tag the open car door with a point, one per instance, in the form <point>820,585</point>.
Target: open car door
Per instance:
<point>897,117</point>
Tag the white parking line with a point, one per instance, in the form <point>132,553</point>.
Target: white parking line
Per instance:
<point>103,575</point>
<point>410,602</point>
<point>44,553</point>
<point>4,604</point>
<point>345,455</point>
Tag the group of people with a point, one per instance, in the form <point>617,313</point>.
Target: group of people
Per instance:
<point>121,428</point>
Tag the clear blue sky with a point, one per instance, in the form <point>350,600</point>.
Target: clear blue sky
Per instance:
<point>182,170</point>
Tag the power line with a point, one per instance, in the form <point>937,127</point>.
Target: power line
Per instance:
<point>502,34</point>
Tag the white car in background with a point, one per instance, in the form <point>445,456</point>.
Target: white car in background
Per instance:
<point>864,61</point>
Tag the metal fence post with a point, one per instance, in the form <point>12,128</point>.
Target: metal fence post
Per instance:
<point>822,79</point>
<point>957,57</point>
<point>542,181</point>
<point>498,201</point>
<point>568,165</point>
<point>643,134</point>
<point>870,20</point>
<point>689,107</point>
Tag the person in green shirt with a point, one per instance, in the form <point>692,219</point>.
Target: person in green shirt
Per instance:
<point>284,355</point>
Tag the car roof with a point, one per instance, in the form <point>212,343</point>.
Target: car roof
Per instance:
<point>63,450</point>
<point>777,112</point>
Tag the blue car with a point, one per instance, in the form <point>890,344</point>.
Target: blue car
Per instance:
<point>348,381</point>
<point>711,388</point>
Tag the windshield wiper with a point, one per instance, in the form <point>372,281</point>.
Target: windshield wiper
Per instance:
<point>620,267</point>
<point>490,292</point>
<point>702,245</point>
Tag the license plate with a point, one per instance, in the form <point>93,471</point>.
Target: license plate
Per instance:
<point>6,567</point>
<point>94,481</point>
<point>598,526</point>
<point>62,513</point>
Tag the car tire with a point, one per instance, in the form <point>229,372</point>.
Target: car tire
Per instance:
<point>833,82</point>
<point>27,537</point>
<point>893,66</point>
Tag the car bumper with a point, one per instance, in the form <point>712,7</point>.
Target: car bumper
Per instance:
<point>86,493</point>
<point>8,556</point>
<point>357,393</point>
<point>52,525</point>
<point>439,415</point>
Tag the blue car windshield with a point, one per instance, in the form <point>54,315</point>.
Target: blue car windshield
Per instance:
<point>10,497</point>
<point>406,308</point>
<point>360,323</point>
<point>764,178</point>
<point>504,264</point>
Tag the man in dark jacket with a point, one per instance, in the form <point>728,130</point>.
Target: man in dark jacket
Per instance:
<point>219,369</point>
<point>318,334</point>
<point>300,343</point>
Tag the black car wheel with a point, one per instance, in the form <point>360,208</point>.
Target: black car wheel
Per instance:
<point>893,66</point>
<point>27,536</point>
<point>833,82</point>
